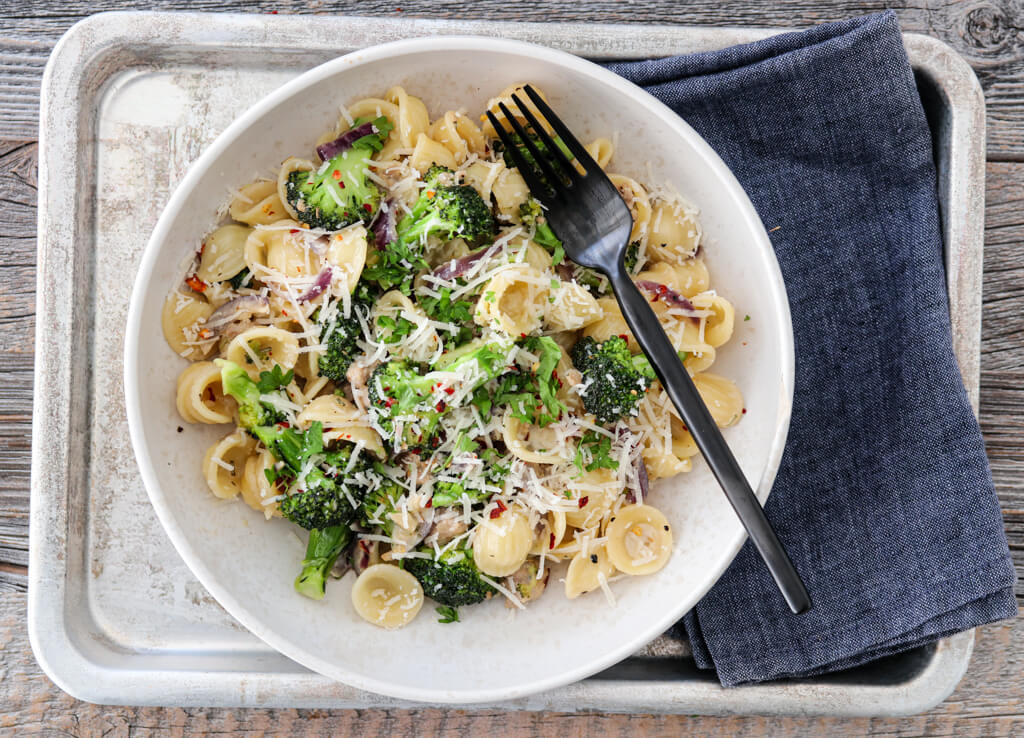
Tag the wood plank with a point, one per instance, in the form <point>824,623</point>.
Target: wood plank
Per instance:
<point>986,703</point>
<point>986,34</point>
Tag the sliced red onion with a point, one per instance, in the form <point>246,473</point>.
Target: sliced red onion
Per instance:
<point>362,554</point>
<point>247,306</point>
<point>383,226</point>
<point>457,267</point>
<point>331,149</point>
<point>323,281</point>
<point>664,293</point>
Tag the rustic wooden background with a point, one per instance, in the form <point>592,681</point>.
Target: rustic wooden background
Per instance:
<point>988,701</point>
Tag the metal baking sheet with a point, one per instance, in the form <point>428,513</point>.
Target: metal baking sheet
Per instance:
<point>129,100</point>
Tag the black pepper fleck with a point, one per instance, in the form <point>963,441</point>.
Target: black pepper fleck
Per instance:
<point>180,429</point>
<point>666,527</point>
<point>593,558</point>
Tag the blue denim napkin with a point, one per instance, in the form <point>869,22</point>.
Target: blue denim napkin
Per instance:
<point>884,499</point>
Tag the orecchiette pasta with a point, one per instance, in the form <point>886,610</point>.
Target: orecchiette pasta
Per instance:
<point>387,596</point>
<point>586,571</point>
<point>502,544</point>
<point>460,135</point>
<point>717,325</point>
<point>223,253</point>
<point>571,307</point>
<point>428,152</point>
<point>346,253</point>
<point>261,348</point>
<point>224,464</point>
<point>639,539</point>
<point>673,234</point>
<point>341,421</point>
<point>405,360</point>
<point>595,493</point>
<point>201,397</point>
<point>256,488</point>
<point>514,301</point>
<point>601,150</point>
<point>722,397</point>
<point>639,204</point>
<point>257,204</point>
<point>291,164</point>
<point>183,316</point>
<point>688,278</point>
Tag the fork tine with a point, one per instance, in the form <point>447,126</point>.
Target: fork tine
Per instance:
<point>555,150</point>
<point>563,132</point>
<point>542,161</point>
<point>534,183</point>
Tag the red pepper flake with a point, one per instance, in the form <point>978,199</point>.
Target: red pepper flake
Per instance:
<point>367,207</point>
<point>744,411</point>
<point>196,283</point>
<point>284,424</point>
<point>583,501</point>
<point>552,544</point>
<point>450,390</point>
<point>294,230</point>
<point>496,512</point>
<point>389,402</point>
<point>522,335</point>
<point>284,312</point>
<point>624,337</point>
<point>440,406</point>
<point>337,175</point>
<point>430,503</point>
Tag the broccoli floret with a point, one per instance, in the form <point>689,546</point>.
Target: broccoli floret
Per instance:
<point>446,210</point>
<point>531,394</point>
<point>341,342</point>
<point>239,279</point>
<point>632,257</point>
<point>617,380</point>
<point>322,551</point>
<point>321,502</point>
<point>378,505</point>
<point>595,282</point>
<point>252,411</point>
<point>526,153</point>
<point>315,499</point>
<point>340,192</point>
<point>495,469</point>
<point>341,348</point>
<point>453,580</point>
<point>532,215</point>
<point>397,389</point>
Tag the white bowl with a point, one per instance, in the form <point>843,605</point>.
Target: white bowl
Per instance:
<point>249,565</point>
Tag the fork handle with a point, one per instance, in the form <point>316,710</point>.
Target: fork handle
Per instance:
<point>681,390</point>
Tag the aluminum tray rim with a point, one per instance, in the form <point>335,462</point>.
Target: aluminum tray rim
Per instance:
<point>89,671</point>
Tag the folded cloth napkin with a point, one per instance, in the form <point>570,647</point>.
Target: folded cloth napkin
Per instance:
<point>884,499</point>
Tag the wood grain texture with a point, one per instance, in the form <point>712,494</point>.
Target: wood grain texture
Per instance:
<point>987,702</point>
<point>987,32</point>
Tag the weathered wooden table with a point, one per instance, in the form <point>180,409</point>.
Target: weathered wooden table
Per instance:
<point>987,702</point>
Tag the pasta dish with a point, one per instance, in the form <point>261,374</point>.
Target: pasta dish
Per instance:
<point>417,376</point>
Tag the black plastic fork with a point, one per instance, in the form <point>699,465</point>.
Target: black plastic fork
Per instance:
<point>593,222</point>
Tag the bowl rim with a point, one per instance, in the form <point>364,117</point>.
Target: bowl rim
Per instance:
<point>172,210</point>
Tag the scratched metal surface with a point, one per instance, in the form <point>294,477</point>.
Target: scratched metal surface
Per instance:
<point>115,616</point>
